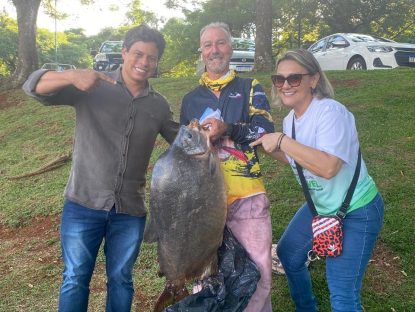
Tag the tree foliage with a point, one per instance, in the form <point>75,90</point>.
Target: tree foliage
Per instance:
<point>26,54</point>
<point>238,14</point>
<point>295,23</point>
<point>135,15</point>
<point>383,17</point>
<point>27,57</point>
<point>8,45</point>
<point>72,48</point>
<point>182,42</point>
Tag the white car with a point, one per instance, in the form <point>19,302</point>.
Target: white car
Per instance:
<point>360,51</point>
<point>57,66</point>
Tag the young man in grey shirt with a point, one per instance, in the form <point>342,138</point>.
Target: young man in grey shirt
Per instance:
<point>118,117</point>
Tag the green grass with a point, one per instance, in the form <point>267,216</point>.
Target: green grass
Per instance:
<point>31,135</point>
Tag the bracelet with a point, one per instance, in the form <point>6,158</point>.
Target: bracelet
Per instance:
<point>282,135</point>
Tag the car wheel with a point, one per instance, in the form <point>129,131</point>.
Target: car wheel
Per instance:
<point>357,63</point>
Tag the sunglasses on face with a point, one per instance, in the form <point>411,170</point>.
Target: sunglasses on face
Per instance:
<point>294,80</point>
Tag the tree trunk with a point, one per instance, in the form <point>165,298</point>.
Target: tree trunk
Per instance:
<point>27,60</point>
<point>263,38</point>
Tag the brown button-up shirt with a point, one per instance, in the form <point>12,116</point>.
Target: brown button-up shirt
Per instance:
<point>114,136</point>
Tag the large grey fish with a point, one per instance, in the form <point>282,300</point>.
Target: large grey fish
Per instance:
<point>187,212</point>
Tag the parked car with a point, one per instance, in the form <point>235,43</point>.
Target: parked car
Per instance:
<point>108,56</point>
<point>57,66</point>
<point>360,51</point>
<point>243,56</point>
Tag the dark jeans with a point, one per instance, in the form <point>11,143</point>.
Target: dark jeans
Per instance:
<point>82,232</point>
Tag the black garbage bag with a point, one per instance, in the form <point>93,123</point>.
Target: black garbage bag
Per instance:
<point>231,289</point>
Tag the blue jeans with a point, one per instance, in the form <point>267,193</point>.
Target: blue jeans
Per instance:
<point>82,232</point>
<point>344,273</point>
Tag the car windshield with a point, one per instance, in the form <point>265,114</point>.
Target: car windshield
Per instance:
<point>64,66</point>
<point>243,44</point>
<point>109,47</point>
<point>383,39</point>
<point>363,38</point>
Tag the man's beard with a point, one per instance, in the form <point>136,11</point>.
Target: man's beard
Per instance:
<point>215,67</point>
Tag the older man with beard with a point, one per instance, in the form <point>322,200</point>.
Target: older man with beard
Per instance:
<point>236,112</point>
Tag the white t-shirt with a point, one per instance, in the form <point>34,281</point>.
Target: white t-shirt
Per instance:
<point>328,126</point>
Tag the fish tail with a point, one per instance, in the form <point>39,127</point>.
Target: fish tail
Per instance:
<point>170,295</point>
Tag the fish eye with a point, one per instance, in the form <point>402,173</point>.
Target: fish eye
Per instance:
<point>189,135</point>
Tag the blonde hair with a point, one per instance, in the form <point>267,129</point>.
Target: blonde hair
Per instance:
<point>307,60</point>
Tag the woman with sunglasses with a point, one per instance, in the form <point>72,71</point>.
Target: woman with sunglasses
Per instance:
<point>326,146</point>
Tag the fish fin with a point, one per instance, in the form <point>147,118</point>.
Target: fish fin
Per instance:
<point>165,299</point>
<point>170,295</point>
<point>150,234</point>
